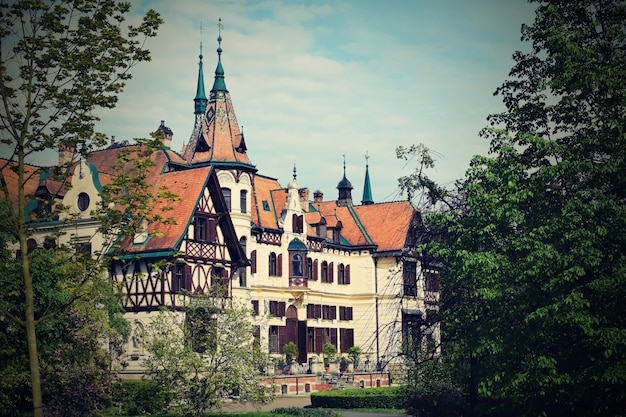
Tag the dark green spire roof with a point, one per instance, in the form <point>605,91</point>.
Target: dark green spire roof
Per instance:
<point>200,101</point>
<point>219,84</point>
<point>344,183</point>
<point>367,188</point>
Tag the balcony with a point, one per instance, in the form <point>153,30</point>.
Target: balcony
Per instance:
<point>298,283</point>
<point>431,297</point>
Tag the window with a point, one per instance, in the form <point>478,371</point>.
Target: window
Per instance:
<point>226,192</point>
<point>409,276</point>
<point>202,330</point>
<point>242,270</point>
<point>253,262</point>
<point>329,312</point>
<point>346,337</point>
<point>277,308</point>
<point>274,339</point>
<point>314,311</point>
<point>296,265</point>
<point>83,201</point>
<point>275,265</point>
<point>255,307</point>
<point>205,228</point>
<point>309,268</point>
<point>297,223</point>
<point>243,201</point>
<point>325,271</point>
<point>310,339</point>
<point>337,235</point>
<point>321,228</point>
<point>272,265</point>
<point>432,280</point>
<point>219,281</point>
<point>266,205</point>
<point>343,274</point>
<point>182,279</point>
<point>345,313</point>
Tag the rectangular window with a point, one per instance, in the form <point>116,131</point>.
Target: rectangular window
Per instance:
<point>182,279</point>
<point>243,201</point>
<point>310,339</point>
<point>253,262</point>
<point>346,337</point>
<point>409,279</point>
<point>255,307</point>
<point>274,340</point>
<point>432,280</point>
<point>329,312</point>
<point>345,313</point>
<point>277,308</point>
<point>227,198</point>
<point>205,229</point>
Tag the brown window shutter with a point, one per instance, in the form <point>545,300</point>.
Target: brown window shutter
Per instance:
<point>347,273</point>
<point>281,309</point>
<point>331,271</point>
<point>282,337</point>
<point>315,270</point>
<point>253,262</point>
<point>188,278</point>
<point>319,339</point>
<point>279,265</point>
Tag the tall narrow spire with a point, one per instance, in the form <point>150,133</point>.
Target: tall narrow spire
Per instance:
<point>219,84</point>
<point>367,188</point>
<point>200,101</point>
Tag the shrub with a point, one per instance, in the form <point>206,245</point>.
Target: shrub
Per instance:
<point>436,399</point>
<point>143,397</point>
<point>387,397</point>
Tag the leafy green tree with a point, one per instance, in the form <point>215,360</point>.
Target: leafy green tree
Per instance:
<point>533,239</point>
<point>60,61</point>
<point>206,354</point>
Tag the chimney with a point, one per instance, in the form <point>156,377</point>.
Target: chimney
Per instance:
<point>318,196</point>
<point>167,135</point>
<point>66,153</point>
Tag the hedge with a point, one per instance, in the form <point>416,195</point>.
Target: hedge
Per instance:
<point>387,397</point>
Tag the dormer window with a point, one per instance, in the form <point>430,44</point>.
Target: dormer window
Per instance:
<point>297,223</point>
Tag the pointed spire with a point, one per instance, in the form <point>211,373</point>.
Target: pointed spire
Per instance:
<point>219,84</point>
<point>200,100</point>
<point>367,188</point>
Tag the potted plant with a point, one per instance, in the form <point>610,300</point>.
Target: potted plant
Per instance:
<point>355,354</point>
<point>291,352</point>
<point>329,350</point>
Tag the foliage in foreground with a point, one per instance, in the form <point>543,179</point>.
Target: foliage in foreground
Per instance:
<point>205,355</point>
<point>533,237</point>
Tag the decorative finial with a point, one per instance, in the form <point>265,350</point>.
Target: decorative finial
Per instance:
<point>294,172</point>
<point>344,165</point>
<point>219,34</point>
<point>200,40</point>
<point>367,157</point>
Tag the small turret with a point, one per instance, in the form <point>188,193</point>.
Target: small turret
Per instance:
<point>345,188</point>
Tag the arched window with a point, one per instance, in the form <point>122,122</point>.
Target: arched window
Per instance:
<point>341,274</point>
<point>324,271</point>
<point>243,200</point>
<point>272,265</point>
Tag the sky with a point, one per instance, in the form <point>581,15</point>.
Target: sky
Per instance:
<point>313,82</point>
